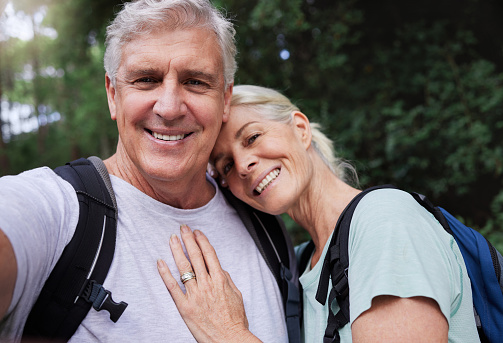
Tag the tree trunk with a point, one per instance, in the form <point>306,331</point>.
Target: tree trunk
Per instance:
<point>4,158</point>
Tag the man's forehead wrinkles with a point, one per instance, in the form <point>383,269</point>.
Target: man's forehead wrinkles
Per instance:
<point>160,57</point>
<point>144,67</point>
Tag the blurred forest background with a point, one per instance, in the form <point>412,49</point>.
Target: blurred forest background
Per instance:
<point>411,92</point>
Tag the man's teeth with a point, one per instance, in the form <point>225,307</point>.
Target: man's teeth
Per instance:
<point>167,137</point>
<point>267,180</point>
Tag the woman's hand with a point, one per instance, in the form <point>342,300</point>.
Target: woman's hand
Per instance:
<point>212,306</point>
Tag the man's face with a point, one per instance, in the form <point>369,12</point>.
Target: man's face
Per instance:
<point>169,102</point>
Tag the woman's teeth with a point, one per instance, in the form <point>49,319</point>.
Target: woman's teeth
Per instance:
<point>167,137</point>
<point>267,180</point>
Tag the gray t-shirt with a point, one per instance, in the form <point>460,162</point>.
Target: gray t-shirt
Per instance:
<point>144,228</point>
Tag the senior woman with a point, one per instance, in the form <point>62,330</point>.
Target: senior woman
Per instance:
<point>407,277</point>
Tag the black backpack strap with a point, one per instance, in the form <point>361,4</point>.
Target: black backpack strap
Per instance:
<point>275,245</point>
<point>427,204</point>
<point>335,267</point>
<point>75,283</point>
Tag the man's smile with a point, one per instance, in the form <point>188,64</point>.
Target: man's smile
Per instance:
<point>168,137</point>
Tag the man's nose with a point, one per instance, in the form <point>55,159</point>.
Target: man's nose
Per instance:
<point>170,103</point>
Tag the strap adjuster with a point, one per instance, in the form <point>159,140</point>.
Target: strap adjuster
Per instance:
<point>101,299</point>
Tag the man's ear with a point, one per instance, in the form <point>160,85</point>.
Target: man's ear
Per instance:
<point>111,97</point>
<point>302,127</point>
<point>227,102</point>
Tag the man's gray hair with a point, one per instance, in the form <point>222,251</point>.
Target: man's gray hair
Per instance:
<point>142,17</point>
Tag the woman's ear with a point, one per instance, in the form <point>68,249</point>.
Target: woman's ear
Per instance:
<point>302,127</point>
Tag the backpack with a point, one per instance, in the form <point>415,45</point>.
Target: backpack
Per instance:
<point>483,262</point>
<point>75,283</point>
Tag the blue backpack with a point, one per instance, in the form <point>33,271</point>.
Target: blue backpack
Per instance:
<point>483,263</point>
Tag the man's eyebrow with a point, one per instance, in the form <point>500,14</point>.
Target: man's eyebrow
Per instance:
<point>209,77</point>
<point>133,73</point>
<point>240,131</point>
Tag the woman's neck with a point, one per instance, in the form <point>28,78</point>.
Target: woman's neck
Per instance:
<point>320,206</point>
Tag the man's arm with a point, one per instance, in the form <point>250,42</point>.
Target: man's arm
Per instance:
<point>394,319</point>
<point>8,273</point>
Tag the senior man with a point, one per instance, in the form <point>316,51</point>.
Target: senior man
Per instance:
<point>169,75</point>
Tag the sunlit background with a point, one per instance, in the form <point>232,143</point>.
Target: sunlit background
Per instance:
<point>410,92</point>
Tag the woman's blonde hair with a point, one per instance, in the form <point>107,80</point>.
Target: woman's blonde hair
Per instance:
<point>275,106</point>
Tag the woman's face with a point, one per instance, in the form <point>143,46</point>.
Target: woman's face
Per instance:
<point>264,162</point>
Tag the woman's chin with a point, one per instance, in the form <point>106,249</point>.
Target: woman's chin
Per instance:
<point>269,205</point>
<point>267,201</point>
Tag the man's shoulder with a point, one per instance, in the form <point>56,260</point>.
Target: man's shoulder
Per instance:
<point>35,179</point>
<point>38,190</point>
<point>31,173</point>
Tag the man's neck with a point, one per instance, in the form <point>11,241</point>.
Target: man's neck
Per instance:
<point>188,192</point>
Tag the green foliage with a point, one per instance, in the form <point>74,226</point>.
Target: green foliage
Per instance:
<point>67,77</point>
<point>412,100</point>
<point>411,93</point>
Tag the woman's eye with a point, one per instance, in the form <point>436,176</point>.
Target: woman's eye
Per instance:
<point>252,139</point>
<point>227,167</point>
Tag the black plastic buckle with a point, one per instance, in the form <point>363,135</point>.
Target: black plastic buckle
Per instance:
<point>101,299</point>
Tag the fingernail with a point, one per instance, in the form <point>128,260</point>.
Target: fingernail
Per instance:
<point>161,265</point>
<point>212,173</point>
<point>174,238</point>
<point>197,233</point>
<point>184,228</point>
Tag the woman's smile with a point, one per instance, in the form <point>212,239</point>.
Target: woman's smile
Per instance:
<point>266,181</point>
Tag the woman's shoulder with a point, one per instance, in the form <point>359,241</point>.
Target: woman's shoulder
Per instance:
<point>385,196</point>
<point>388,200</point>
<point>392,211</point>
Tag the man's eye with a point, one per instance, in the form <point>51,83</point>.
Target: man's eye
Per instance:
<point>145,80</point>
<point>227,167</point>
<point>146,83</point>
<point>195,83</point>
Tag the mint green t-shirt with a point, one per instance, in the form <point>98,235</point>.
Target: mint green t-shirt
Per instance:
<point>397,248</point>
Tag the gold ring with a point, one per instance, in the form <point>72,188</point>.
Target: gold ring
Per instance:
<point>187,276</point>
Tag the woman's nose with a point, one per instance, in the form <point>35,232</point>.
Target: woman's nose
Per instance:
<point>245,166</point>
